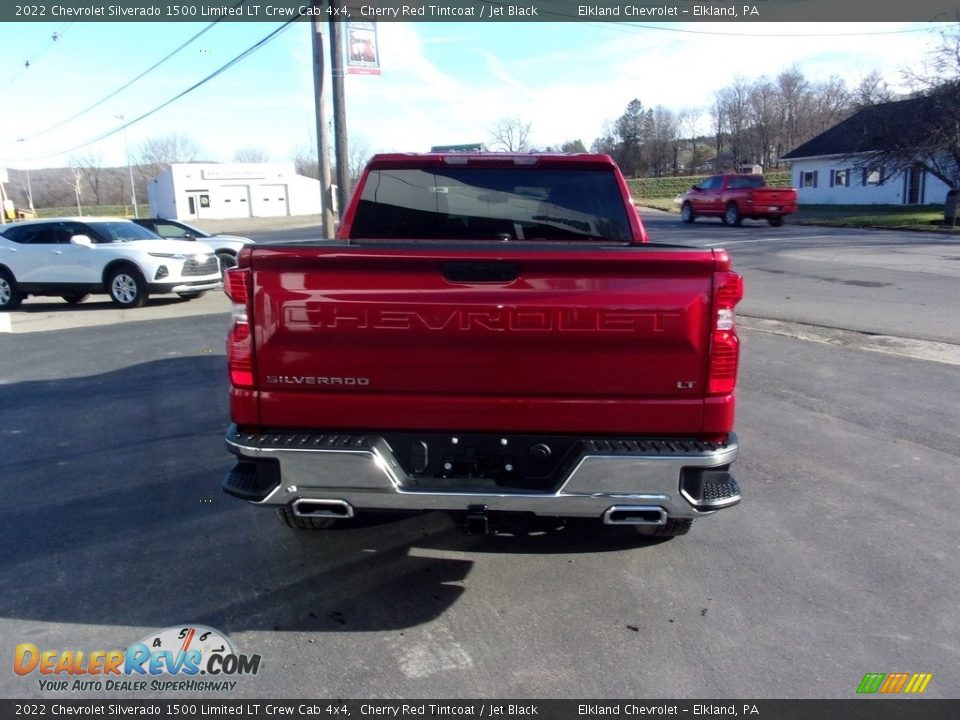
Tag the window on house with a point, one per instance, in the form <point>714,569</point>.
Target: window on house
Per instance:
<point>839,178</point>
<point>872,176</point>
<point>808,179</point>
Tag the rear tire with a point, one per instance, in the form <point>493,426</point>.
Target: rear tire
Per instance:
<point>672,528</point>
<point>686,213</point>
<point>286,516</point>
<point>10,295</point>
<point>775,221</point>
<point>227,260</point>
<point>75,298</point>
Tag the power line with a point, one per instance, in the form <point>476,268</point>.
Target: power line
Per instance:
<point>103,136</point>
<point>123,87</point>
<point>30,62</point>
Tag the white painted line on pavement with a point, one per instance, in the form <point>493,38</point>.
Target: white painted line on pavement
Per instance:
<point>946,353</point>
<point>740,242</point>
<point>5,325</point>
<point>791,238</point>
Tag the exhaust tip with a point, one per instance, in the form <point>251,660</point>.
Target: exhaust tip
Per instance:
<point>322,509</point>
<point>635,515</point>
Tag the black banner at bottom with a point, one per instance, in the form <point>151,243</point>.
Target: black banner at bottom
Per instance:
<point>187,709</point>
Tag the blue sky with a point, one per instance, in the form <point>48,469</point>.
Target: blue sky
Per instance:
<point>442,83</point>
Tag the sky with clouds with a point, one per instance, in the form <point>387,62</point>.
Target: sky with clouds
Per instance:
<point>441,83</point>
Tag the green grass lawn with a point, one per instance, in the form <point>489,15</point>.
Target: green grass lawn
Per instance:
<point>895,216</point>
<point>658,204</point>
<point>94,211</point>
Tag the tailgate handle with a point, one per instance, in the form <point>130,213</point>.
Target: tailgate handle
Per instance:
<point>491,272</point>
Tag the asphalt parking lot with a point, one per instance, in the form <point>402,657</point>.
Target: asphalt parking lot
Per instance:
<point>841,560</point>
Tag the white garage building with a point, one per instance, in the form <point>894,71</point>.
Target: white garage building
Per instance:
<point>195,191</point>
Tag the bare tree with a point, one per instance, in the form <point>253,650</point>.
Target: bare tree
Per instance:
<point>791,89</point>
<point>734,101</point>
<point>251,155</point>
<point>689,119</point>
<point>872,90</point>
<point>662,140</point>
<point>511,135</point>
<point>172,148</point>
<point>762,113</point>
<point>76,189</point>
<point>90,168</point>
<point>718,121</point>
<point>305,161</point>
<point>829,103</point>
<point>607,142</point>
<point>921,132</point>
<point>943,64</point>
<point>357,157</point>
<point>917,133</point>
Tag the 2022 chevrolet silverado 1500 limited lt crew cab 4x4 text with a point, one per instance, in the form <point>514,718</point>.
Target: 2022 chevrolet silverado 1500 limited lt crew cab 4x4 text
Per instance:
<point>488,333</point>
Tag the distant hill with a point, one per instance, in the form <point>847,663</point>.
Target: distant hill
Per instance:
<point>56,187</point>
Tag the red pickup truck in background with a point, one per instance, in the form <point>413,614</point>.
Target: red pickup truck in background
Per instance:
<point>735,197</point>
<point>489,333</point>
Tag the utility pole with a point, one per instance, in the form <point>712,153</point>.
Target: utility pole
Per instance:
<point>339,104</point>
<point>323,145</point>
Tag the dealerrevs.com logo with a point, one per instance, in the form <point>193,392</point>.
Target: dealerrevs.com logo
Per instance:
<point>181,659</point>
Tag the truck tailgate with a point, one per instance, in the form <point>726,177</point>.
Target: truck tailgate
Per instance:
<point>611,340</point>
<point>773,196</point>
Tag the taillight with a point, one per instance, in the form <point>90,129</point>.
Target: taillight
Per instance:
<point>236,283</point>
<point>239,338</point>
<point>724,345</point>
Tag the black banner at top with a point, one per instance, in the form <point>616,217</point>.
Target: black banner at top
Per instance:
<point>636,11</point>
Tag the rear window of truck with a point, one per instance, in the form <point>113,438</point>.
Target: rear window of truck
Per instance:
<point>740,183</point>
<point>485,203</point>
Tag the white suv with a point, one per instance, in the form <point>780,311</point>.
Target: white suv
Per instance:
<point>72,257</point>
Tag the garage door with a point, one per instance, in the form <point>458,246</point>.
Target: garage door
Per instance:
<point>269,200</point>
<point>230,201</point>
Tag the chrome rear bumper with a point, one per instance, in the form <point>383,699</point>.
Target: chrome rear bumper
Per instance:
<point>623,482</point>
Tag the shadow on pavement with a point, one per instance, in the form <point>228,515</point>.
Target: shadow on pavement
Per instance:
<point>115,516</point>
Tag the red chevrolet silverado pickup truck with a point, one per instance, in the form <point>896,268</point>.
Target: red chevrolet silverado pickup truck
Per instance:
<point>735,197</point>
<point>488,334</point>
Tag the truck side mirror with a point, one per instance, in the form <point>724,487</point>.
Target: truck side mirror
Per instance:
<point>83,240</point>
